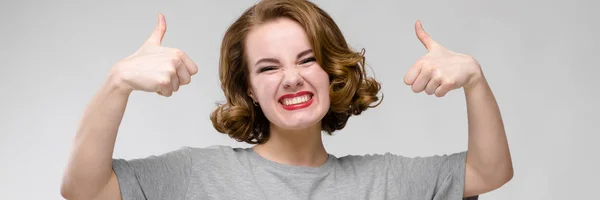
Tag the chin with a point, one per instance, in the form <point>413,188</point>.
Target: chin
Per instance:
<point>299,125</point>
<point>299,120</point>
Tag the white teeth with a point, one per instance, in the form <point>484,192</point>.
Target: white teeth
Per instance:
<point>296,100</point>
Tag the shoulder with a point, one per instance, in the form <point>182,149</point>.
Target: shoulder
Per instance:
<point>214,150</point>
<point>440,175</point>
<point>365,162</point>
<point>217,154</point>
<point>397,160</point>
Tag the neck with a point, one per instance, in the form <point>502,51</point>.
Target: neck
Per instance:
<point>294,147</point>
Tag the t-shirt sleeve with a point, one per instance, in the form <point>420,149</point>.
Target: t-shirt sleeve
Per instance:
<point>164,176</point>
<point>437,177</point>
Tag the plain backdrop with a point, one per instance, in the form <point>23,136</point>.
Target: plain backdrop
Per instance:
<point>540,58</point>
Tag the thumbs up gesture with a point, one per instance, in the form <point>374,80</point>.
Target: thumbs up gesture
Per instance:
<point>155,68</point>
<point>441,70</point>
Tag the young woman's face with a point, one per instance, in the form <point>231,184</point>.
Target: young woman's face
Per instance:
<point>285,79</point>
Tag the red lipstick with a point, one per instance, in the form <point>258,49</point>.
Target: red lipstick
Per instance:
<point>296,106</point>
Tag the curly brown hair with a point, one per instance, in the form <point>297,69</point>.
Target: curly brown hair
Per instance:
<point>350,90</point>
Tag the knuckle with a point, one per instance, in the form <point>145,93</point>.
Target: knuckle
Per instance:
<point>436,74</point>
<point>170,71</point>
<point>432,69</point>
<point>451,82</point>
<point>466,58</point>
<point>178,52</point>
<point>428,68</point>
<point>175,61</point>
<point>164,81</point>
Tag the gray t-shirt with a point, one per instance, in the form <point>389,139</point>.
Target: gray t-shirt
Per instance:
<point>222,172</point>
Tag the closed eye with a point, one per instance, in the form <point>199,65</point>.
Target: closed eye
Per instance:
<point>267,68</point>
<point>311,59</point>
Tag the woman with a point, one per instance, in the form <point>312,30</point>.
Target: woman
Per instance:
<point>288,74</point>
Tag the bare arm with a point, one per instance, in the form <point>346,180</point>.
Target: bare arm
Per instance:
<point>90,165</point>
<point>489,164</point>
<point>153,68</point>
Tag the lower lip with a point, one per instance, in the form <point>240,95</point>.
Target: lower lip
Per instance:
<point>299,106</point>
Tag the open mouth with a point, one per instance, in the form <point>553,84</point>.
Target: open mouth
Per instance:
<point>296,101</point>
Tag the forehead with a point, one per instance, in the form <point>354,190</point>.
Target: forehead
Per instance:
<point>282,39</point>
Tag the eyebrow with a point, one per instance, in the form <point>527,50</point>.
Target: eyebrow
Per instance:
<point>275,60</point>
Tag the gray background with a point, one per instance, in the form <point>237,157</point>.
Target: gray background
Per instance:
<point>540,57</point>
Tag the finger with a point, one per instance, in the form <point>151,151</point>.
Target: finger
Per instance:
<point>412,73</point>
<point>425,39</point>
<point>421,81</point>
<point>159,31</point>
<point>164,87</point>
<point>174,82</point>
<point>183,75</point>
<point>443,89</point>
<point>432,85</point>
<point>191,67</point>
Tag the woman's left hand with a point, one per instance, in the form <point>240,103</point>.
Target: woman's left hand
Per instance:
<point>441,70</point>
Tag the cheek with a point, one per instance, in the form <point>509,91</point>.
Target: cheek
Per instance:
<point>322,77</point>
<point>265,88</point>
<point>320,80</point>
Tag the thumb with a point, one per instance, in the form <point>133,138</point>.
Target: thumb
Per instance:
<point>159,31</point>
<point>427,41</point>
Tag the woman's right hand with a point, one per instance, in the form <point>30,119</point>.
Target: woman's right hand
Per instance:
<point>154,68</point>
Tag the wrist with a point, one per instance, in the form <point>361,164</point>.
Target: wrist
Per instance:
<point>477,78</point>
<point>116,83</point>
<point>477,82</point>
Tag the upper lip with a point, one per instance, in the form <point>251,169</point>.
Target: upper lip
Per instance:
<point>294,95</point>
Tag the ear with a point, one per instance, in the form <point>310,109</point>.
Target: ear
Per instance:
<point>251,94</point>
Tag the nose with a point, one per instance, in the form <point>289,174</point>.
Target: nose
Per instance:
<point>292,79</point>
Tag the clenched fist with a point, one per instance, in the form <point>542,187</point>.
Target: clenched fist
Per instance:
<point>155,68</point>
<point>441,70</point>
